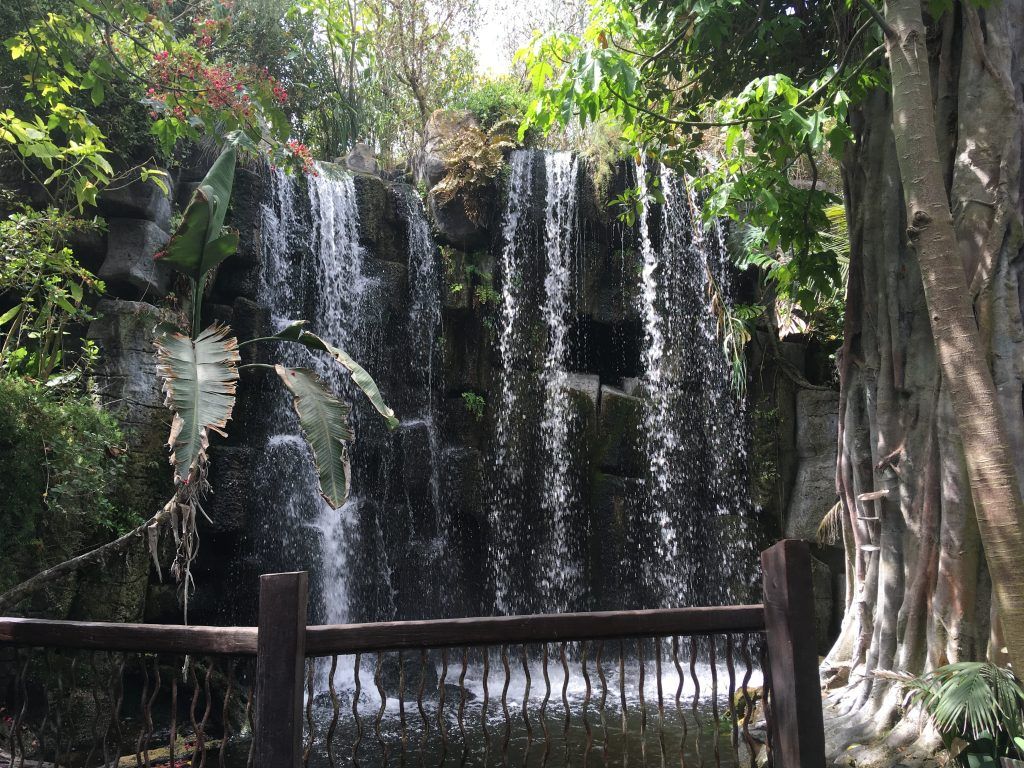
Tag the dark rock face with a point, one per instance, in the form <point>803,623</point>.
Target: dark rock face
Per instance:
<point>140,200</point>
<point>621,433</point>
<point>129,265</point>
<point>127,382</point>
<point>454,224</point>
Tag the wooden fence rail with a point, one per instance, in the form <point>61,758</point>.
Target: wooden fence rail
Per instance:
<point>282,641</point>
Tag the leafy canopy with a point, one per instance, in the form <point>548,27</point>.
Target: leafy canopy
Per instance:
<point>751,100</point>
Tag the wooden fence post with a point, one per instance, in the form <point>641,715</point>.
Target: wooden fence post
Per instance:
<point>798,729</point>
<point>280,667</point>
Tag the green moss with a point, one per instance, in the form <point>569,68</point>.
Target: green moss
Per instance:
<point>63,461</point>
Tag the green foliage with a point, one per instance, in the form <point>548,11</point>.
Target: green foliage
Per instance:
<point>198,244</point>
<point>475,404</point>
<point>494,100</point>
<point>296,332</point>
<point>63,467</point>
<point>977,708</point>
<point>70,56</point>
<point>43,297</point>
<point>324,421</point>
<point>473,158</point>
<point>381,67</point>
<point>200,375</point>
<point>750,100</point>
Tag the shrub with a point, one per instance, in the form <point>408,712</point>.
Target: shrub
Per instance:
<point>63,463</point>
<point>495,100</point>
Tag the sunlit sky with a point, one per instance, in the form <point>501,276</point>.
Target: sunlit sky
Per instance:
<point>492,58</point>
<point>505,25</point>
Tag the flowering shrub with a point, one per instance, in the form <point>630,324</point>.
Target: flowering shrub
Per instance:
<point>182,70</point>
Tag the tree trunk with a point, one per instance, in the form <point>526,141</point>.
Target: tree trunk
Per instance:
<point>933,195</point>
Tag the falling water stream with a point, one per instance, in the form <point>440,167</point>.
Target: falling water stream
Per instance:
<point>693,492</point>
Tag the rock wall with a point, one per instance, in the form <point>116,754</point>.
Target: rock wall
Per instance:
<point>605,352</point>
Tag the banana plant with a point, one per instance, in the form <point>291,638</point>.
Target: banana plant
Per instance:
<point>200,371</point>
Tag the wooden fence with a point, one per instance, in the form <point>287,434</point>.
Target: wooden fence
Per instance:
<point>282,643</point>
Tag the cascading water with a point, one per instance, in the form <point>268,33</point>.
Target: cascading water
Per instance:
<point>506,480</point>
<point>559,570</point>
<point>325,223</point>
<point>694,425</point>
<point>404,535</point>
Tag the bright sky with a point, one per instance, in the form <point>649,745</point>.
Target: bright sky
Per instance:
<point>506,25</point>
<point>490,48</point>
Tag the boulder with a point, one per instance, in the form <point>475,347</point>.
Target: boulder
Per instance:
<point>451,220</point>
<point>442,125</point>
<point>362,159</point>
<point>139,200</point>
<point>129,267</point>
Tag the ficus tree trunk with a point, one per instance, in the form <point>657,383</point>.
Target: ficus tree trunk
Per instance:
<point>931,368</point>
<point>963,363</point>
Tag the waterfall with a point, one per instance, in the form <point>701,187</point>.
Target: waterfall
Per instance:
<point>507,477</point>
<point>449,515</point>
<point>559,572</point>
<point>424,324</point>
<point>528,554</point>
<point>325,225</point>
<point>694,424</point>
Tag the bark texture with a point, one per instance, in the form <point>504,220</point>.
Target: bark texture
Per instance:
<point>918,591</point>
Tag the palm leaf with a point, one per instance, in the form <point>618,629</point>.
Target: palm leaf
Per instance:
<point>296,332</point>
<point>199,376</point>
<point>970,698</point>
<point>197,245</point>
<point>324,421</point>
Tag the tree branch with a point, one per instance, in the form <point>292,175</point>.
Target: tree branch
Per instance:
<point>16,594</point>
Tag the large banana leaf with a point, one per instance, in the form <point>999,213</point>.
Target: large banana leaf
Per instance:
<point>197,245</point>
<point>324,421</point>
<point>296,332</point>
<point>199,376</point>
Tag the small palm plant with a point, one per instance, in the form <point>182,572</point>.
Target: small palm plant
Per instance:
<point>200,370</point>
<point>977,708</point>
